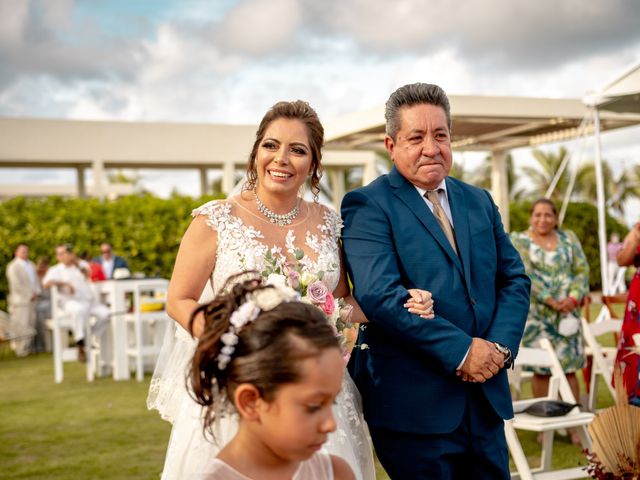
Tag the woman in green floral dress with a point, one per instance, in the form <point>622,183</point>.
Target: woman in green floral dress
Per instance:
<point>559,274</point>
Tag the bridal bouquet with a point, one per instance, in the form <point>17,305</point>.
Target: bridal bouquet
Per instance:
<point>312,290</point>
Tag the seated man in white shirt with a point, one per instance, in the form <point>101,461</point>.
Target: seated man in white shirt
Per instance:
<point>78,299</point>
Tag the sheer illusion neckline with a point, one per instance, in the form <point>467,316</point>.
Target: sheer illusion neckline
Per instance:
<point>245,239</point>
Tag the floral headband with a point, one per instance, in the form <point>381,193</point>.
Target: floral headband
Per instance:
<point>258,301</point>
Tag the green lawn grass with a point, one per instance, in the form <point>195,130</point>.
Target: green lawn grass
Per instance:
<point>76,429</point>
<point>103,430</point>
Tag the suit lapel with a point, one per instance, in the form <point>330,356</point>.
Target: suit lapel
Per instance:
<point>408,194</point>
<point>460,214</point>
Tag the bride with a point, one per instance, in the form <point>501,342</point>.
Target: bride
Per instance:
<point>230,236</point>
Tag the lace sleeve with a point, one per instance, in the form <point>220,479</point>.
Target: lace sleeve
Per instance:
<point>216,211</point>
<point>332,224</point>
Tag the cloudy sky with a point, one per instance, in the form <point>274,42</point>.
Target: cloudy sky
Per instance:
<point>229,60</point>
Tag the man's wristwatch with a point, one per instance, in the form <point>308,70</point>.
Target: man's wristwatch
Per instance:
<point>508,358</point>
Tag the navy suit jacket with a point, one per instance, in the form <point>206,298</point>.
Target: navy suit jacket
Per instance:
<point>392,242</point>
<point>118,262</point>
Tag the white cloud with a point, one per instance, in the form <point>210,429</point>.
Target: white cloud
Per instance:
<point>13,18</point>
<point>259,27</point>
<point>493,33</point>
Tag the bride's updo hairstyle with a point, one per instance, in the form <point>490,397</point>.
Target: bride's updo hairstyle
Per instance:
<point>268,347</point>
<point>298,110</point>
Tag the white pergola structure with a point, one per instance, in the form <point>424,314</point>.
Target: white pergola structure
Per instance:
<point>622,96</point>
<point>99,146</point>
<point>482,123</point>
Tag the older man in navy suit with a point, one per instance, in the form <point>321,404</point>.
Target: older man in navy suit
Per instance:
<point>435,392</point>
<point>110,262</point>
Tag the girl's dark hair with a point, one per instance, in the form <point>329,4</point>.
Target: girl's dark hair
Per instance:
<point>298,110</point>
<point>268,352</point>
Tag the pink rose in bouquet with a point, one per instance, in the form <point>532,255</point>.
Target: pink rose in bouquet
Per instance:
<point>293,276</point>
<point>329,304</point>
<point>346,311</point>
<point>294,279</point>
<point>317,292</point>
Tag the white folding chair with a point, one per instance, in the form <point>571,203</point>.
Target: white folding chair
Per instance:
<point>147,324</point>
<point>617,284</point>
<point>517,380</point>
<point>559,389</point>
<point>60,325</point>
<point>612,302</point>
<point>603,357</point>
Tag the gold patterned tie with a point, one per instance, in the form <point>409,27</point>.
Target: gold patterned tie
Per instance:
<point>438,211</point>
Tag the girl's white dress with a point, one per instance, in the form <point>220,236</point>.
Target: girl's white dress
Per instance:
<point>243,241</point>
<point>318,467</point>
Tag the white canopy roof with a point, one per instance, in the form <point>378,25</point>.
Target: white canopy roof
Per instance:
<point>621,95</point>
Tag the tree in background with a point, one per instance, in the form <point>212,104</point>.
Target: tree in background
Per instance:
<point>617,189</point>
<point>144,229</point>
<point>481,177</point>
<point>541,175</point>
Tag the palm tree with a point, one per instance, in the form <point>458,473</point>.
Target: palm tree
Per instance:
<point>542,175</point>
<point>617,190</point>
<point>481,177</point>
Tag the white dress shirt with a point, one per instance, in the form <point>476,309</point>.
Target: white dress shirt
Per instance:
<point>444,200</point>
<point>444,203</point>
<point>107,267</point>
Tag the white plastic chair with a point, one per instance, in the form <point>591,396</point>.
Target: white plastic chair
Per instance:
<point>60,325</point>
<point>559,389</point>
<point>146,325</point>
<point>603,357</point>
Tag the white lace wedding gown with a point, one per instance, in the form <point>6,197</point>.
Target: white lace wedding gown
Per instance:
<point>243,240</point>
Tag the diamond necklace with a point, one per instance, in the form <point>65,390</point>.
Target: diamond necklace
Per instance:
<point>280,219</point>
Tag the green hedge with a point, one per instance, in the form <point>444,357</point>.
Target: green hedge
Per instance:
<point>582,218</point>
<point>146,230</point>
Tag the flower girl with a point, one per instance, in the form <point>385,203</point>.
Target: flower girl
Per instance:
<point>277,363</point>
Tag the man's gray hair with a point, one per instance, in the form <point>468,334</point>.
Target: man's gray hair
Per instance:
<point>413,94</point>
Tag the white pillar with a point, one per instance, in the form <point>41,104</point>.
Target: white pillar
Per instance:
<point>336,178</point>
<point>602,233</point>
<point>500,185</point>
<point>204,186</point>
<point>228,177</point>
<point>370,172</point>
<point>80,182</point>
<point>97,167</point>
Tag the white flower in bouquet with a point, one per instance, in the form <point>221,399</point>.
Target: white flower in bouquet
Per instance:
<point>277,280</point>
<point>307,278</point>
